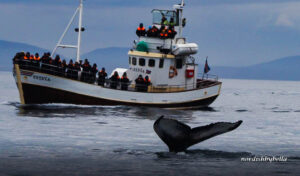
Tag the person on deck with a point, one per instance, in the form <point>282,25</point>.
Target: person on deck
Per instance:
<point>141,31</point>
<point>171,32</point>
<point>76,70</point>
<point>172,23</point>
<point>101,77</point>
<point>27,56</point>
<point>37,57</point>
<point>153,32</point>
<point>124,81</point>
<point>114,80</point>
<point>139,83</point>
<point>85,71</point>
<point>147,82</point>
<point>94,71</point>
<point>57,65</point>
<point>70,69</point>
<point>163,32</point>
<point>164,21</point>
<point>64,67</point>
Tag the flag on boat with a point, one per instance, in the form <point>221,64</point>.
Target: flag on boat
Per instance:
<point>206,67</point>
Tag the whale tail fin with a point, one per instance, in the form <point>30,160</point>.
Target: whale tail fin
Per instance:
<point>179,136</point>
<point>203,133</point>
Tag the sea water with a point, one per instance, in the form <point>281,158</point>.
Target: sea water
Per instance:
<point>60,139</point>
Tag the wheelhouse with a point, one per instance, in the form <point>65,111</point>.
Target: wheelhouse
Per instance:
<point>157,15</point>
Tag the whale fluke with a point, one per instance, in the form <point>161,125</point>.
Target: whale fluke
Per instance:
<point>179,136</point>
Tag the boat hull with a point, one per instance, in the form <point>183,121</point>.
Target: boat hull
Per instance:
<point>40,88</point>
<point>34,94</point>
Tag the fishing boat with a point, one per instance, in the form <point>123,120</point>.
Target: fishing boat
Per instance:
<point>168,62</point>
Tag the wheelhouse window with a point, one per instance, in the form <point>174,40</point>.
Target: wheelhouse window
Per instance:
<point>151,63</point>
<point>129,60</point>
<point>142,62</point>
<point>133,61</point>
<point>168,14</point>
<point>179,63</point>
<point>161,63</point>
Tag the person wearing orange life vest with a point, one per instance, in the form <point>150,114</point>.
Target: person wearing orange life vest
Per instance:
<point>114,80</point>
<point>101,77</point>
<point>163,32</point>
<point>153,31</point>
<point>85,74</point>
<point>27,56</point>
<point>141,31</point>
<point>37,57</point>
<point>139,83</point>
<point>124,82</point>
<point>147,83</point>
<point>31,57</point>
<point>36,61</point>
<point>171,32</point>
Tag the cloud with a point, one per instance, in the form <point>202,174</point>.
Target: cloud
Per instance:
<point>284,20</point>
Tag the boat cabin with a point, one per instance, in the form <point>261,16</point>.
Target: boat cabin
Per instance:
<point>167,61</point>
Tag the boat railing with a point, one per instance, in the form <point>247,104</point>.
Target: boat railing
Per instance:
<point>209,77</point>
<point>91,78</point>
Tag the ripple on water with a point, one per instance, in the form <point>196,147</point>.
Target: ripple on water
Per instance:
<point>282,111</point>
<point>133,152</point>
<point>242,110</point>
<point>204,154</point>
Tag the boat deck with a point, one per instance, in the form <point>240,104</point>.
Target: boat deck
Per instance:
<point>27,67</point>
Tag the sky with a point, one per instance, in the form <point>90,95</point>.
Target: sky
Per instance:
<point>230,32</point>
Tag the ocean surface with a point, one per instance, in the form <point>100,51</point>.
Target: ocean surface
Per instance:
<point>119,140</point>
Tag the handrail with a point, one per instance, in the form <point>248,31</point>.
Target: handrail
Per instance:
<point>92,78</point>
<point>205,76</point>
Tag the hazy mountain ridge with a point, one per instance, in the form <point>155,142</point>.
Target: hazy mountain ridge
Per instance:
<point>9,49</point>
<point>281,69</point>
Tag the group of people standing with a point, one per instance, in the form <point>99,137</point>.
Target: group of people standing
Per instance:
<point>166,31</point>
<point>82,71</point>
<point>57,66</point>
<point>115,80</point>
<point>141,84</point>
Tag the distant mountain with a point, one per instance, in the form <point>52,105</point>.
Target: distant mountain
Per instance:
<point>110,58</point>
<point>9,49</point>
<point>287,68</point>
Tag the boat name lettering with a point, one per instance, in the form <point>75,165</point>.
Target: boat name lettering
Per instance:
<point>42,78</point>
<point>138,70</point>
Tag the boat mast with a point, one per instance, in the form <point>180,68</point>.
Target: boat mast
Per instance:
<point>180,17</point>
<point>80,29</point>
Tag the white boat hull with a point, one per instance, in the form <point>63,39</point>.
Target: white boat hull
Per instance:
<point>41,88</point>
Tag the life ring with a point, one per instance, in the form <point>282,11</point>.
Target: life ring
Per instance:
<point>172,72</point>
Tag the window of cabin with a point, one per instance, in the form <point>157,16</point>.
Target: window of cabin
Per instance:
<point>179,63</point>
<point>151,63</point>
<point>161,63</point>
<point>142,62</point>
<point>129,60</point>
<point>133,61</point>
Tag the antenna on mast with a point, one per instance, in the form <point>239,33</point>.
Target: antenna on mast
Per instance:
<point>179,8</point>
<point>80,29</point>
